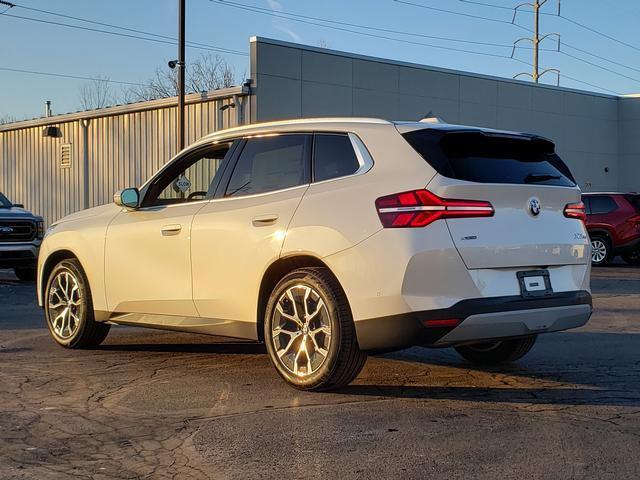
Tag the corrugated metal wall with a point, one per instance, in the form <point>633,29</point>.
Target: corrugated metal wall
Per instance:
<point>124,149</point>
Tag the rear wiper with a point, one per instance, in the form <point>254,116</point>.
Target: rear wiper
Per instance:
<point>535,178</point>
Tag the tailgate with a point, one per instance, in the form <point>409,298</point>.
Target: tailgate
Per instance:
<point>516,236</point>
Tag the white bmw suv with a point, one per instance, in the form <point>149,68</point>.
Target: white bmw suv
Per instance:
<point>327,239</point>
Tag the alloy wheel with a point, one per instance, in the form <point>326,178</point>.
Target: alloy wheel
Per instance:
<point>301,330</point>
<point>598,250</point>
<point>64,304</point>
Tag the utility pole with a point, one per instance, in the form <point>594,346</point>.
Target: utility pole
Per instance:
<point>536,40</point>
<point>181,72</point>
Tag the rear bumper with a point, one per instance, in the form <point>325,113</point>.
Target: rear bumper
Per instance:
<point>18,256</point>
<point>481,319</point>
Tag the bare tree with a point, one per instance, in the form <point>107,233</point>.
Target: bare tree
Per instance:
<point>6,118</point>
<point>96,93</point>
<point>204,74</point>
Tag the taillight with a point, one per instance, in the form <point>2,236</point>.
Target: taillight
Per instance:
<point>419,208</point>
<point>575,210</point>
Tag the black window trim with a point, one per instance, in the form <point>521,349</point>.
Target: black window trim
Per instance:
<point>359,148</point>
<point>445,170</point>
<point>146,188</point>
<point>226,178</point>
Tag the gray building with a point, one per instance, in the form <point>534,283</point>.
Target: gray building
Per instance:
<point>97,152</point>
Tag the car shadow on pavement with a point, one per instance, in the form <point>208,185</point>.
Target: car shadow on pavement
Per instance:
<point>240,348</point>
<point>600,369</point>
<point>535,396</point>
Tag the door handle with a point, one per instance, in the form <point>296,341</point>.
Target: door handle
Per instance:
<point>264,220</point>
<point>171,229</point>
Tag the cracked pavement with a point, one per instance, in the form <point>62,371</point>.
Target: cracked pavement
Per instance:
<point>151,404</point>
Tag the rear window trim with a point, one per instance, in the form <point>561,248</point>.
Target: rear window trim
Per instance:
<point>362,154</point>
<point>438,135</point>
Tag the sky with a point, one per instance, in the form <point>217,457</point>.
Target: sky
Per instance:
<point>396,29</point>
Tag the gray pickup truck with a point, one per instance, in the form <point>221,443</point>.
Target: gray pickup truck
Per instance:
<point>21,234</point>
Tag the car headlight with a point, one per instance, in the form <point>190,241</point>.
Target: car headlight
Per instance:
<point>40,228</point>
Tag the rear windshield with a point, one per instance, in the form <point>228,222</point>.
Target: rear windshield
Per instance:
<point>487,158</point>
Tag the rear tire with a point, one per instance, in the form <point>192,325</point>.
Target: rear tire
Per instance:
<point>68,308</point>
<point>600,250</point>
<point>494,353</point>
<point>309,332</point>
<point>25,274</point>
<point>632,258</point>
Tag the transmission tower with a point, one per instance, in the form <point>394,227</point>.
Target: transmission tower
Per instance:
<point>536,40</point>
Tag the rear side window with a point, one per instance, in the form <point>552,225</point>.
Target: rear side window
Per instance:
<point>602,204</point>
<point>333,157</point>
<point>635,201</point>
<point>271,163</point>
<point>486,158</point>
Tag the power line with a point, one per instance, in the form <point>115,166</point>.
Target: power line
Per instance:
<point>462,14</point>
<point>107,32</point>
<point>308,20</point>
<point>501,7</point>
<point>119,27</point>
<point>593,85</point>
<point>62,75</point>
<point>598,32</point>
<point>567,19</point>
<point>599,57</point>
<point>475,2</point>
<point>356,25</point>
<point>600,67</point>
<point>343,29</point>
<point>9,6</point>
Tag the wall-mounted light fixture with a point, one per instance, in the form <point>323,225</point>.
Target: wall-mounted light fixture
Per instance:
<point>52,131</point>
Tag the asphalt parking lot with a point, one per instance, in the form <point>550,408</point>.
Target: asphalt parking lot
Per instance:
<point>150,404</point>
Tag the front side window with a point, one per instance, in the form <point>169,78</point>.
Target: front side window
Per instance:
<point>271,163</point>
<point>333,157</point>
<point>602,204</point>
<point>189,179</point>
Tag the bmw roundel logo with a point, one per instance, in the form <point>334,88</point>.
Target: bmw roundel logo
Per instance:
<point>534,206</point>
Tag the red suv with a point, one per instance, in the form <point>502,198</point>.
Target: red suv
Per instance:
<point>613,222</point>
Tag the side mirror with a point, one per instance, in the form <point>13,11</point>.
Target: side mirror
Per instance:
<point>127,198</point>
<point>18,205</point>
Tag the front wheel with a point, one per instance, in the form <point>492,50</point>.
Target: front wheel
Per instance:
<point>68,308</point>
<point>493,353</point>
<point>309,331</point>
<point>632,258</point>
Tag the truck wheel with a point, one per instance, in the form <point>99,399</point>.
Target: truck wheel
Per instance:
<point>25,274</point>
<point>600,250</point>
<point>309,331</point>
<point>493,353</point>
<point>68,308</point>
<point>632,258</point>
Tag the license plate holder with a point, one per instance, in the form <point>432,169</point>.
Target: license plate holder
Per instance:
<point>535,283</point>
